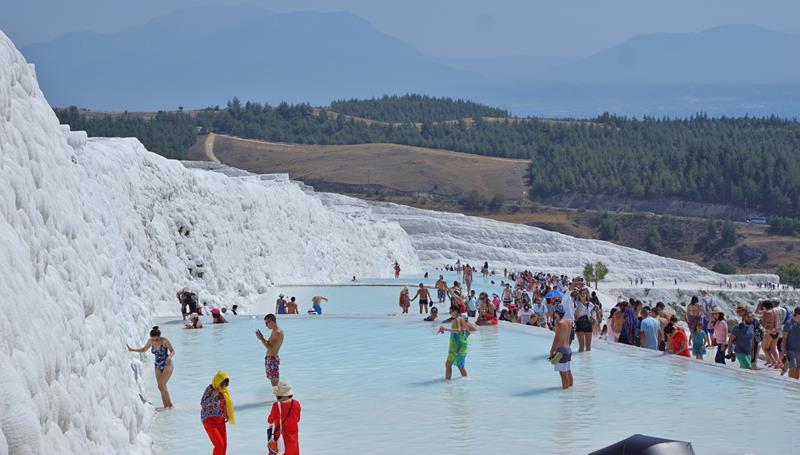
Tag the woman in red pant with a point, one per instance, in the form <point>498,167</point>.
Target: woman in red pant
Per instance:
<point>216,408</point>
<point>285,416</point>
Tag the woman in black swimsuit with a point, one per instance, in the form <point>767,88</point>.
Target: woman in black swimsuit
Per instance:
<point>163,351</point>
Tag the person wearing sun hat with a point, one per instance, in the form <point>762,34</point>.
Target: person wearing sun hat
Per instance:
<point>216,409</point>
<point>280,305</point>
<point>285,417</point>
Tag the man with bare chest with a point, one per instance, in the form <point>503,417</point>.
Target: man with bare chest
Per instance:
<point>560,351</point>
<point>272,361</point>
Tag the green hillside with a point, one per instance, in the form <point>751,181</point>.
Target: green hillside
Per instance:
<point>414,109</point>
<point>720,160</point>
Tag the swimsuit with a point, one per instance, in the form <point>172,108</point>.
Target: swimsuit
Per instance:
<point>282,308</point>
<point>458,347</point>
<point>566,356</point>
<point>698,343</point>
<point>272,366</point>
<point>317,309</point>
<point>425,300</point>
<point>161,356</point>
<point>583,323</point>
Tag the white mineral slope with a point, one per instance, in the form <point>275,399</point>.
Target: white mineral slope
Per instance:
<point>94,244</point>
<point>442,238</point>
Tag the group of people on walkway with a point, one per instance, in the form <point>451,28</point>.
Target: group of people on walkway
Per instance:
<point>555,301</point>
<point>768,329</point>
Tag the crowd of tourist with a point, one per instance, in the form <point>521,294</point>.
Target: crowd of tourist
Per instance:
<point>768,329</point>
<point>565,305</point>
<point>765,330</point>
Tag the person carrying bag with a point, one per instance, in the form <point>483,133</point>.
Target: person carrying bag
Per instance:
<point>283,420</point>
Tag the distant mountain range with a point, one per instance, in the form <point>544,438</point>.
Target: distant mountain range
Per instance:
<point>731,54</point>
<point>207,55</point>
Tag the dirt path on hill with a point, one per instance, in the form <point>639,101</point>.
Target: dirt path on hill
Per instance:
<point>209,147</point>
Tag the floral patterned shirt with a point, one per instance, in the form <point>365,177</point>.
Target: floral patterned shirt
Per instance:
<point>212,405</point>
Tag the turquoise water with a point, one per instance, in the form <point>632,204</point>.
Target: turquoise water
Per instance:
<point>375,296</point>
<point>374,384</point>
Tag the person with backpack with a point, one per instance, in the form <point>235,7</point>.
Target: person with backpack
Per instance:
<point>284,421</point>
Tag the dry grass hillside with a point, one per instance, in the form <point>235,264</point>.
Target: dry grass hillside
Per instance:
<point>397,167</point>
<point>363,170</point>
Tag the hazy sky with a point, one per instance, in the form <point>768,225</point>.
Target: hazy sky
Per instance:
<point>441,28</point>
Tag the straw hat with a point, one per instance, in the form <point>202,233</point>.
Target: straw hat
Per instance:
<point>283,389</point>
<point>716,310</point>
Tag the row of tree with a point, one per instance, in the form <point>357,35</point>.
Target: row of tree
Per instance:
<point>721,160</point>
<point>784,225</point>
<point>415,109</point>
<point>168,134</point>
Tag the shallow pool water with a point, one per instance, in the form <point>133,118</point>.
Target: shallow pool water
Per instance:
<point>374,384</point>
<point>373,296</point>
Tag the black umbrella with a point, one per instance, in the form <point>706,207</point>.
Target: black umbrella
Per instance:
<point>640,444</point>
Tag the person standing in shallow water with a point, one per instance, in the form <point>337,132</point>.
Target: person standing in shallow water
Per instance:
<point>163,351</point>
<point>316,304</point>
<point>285,416</point>
<point>441,289</point>
<point>468,277</point>
<point>424,298</point>
<point>791,345</point>
<point>457,353</point>
<point>272,361</point>
<point>405,300</point>
<point>560,352</point>
<point>280,305</point>
<point>216,409</point>
<point>291,306</point>
<point>740,341</point>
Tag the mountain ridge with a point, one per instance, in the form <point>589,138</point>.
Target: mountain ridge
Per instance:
<point>204,56</point>
<point>712,55</point>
